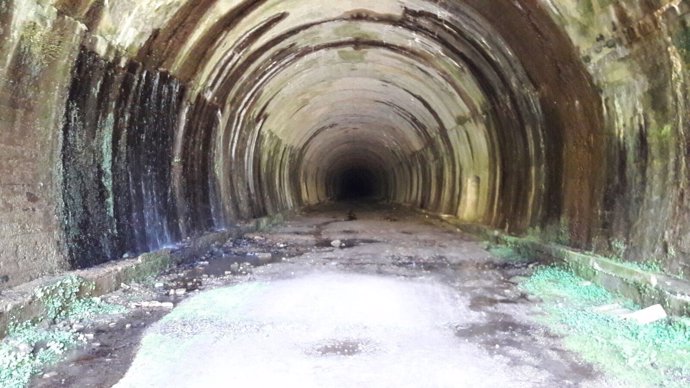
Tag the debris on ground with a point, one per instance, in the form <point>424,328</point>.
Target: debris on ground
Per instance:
<point>649,315</point>
<point>651,354</point>
<point>154,304</point>
<point>29,347</point>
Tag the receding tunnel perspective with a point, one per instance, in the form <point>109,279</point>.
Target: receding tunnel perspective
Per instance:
<point>357,183</point>
<point>201,187</point>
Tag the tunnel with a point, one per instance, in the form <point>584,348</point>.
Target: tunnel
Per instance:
<point>132,130</point>
<point>127,126</point>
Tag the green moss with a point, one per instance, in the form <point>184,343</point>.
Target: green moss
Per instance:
<point>506,253</point>
<point>58,297</point>
<point>42,45</point>
<point>648,266</point>
<point>618,248</point>
<point>555,282</point>
<point>88,308</point>
<point>641,355</point>
<point>69,299</point>
<point>28,349</point>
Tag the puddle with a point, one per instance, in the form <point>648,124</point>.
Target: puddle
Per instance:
<point>478,303</point>
<point>349,243</point>
<point>424,264</point>
<point>219,266</point>
<point>494,329</point>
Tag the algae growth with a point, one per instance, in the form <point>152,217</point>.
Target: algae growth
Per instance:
<point>654,355</point>
<point>29,347</point>
<point>69,299</point>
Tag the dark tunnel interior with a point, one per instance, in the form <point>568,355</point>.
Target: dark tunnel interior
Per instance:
<point>186,117</point>
<point>154,151</point>
<point>357,184</point>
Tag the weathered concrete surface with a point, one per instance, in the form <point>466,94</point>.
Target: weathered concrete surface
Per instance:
<point>126,125</point>
<point>403,303</point>
<point>20,304</point>
<point>644,286</point>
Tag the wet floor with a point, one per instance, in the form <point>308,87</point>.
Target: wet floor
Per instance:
<point>352,295</point>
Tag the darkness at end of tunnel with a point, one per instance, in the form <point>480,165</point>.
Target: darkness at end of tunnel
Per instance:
<point>357,184</point>
<point>461,121</point>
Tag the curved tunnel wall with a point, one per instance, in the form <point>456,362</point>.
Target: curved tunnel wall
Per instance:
<point>128,126</point>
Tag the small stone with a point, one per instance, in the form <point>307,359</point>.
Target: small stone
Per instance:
<point>155,304</point>
<point>24,348</point>
<point>88,336</point>
<point>264,256</point>
<point>282,245</point>
<point>96,344</point>
<point>180,291</point>
<point>159,285</point>
<point>112,324</point>
<point>78,327</point>
<point>128,326</point>
<point>49,375</point>
<point>336,243</point>
<point>649,315</point>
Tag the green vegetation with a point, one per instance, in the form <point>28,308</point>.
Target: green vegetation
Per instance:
<point>27,349</point>
<point>40,43</point>
<point>68,299</point>
<point>641,355</point>
<point>31,346</point>
<point>648,266</point>
<point>506,253</point>
<point>618,247</point>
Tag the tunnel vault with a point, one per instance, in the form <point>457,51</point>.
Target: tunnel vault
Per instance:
<point>152,123</point>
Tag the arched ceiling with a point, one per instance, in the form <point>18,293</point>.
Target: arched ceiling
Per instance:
<point>516,114</point>
<point>380,83</point>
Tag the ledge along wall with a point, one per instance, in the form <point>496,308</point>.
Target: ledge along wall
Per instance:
<point>127,126</point>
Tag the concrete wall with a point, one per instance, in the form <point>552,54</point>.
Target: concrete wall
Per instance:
<point>127,125</point>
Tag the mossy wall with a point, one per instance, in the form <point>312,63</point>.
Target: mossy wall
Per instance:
<point>128,125</point>
<point>117,157</point>
<point>636,53</point>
